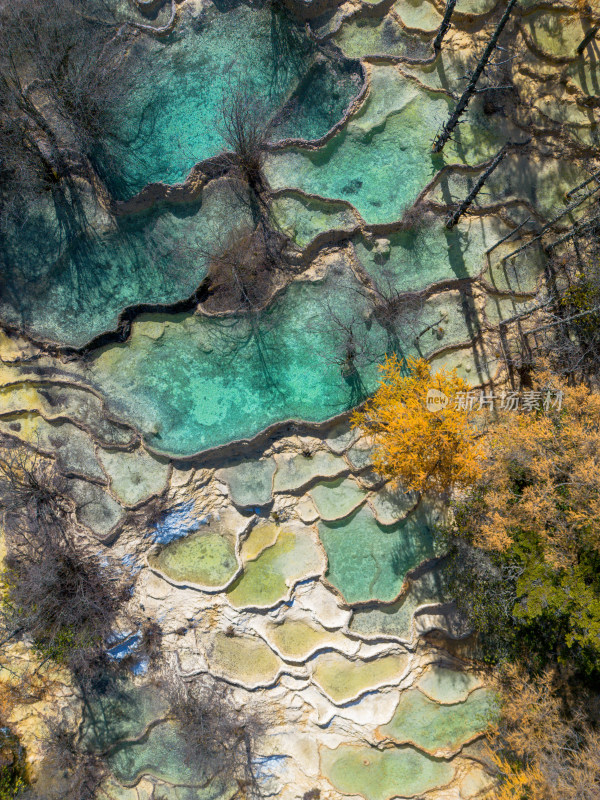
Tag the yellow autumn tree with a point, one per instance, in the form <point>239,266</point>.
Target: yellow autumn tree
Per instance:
<point>539,752</point>
<point>542,475</point>
<point>424,451</point>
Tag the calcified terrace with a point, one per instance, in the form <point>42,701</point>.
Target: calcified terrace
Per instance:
<point>280,563</point>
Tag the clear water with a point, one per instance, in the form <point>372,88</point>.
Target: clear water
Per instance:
<point>205,382</point>
<point>436,727</point>
<point>205,559</point>
<point>382,158</point>
<point>428,253</point>
<point>77,278</point>
<point>295,470</point>
<point>162,754</point>
<point>337,499</point>
<point>76,290</point>
<point>396,619</point>
<point>303,219</point>
<point>250,482</point>
<point>444,685</point>
<point>343,679</point>
<point>182,81</point>
<point>122,711</point>
<point>267,579</point>
<point>134,476</point>
<point>383,774</point>
<point>368,561</point>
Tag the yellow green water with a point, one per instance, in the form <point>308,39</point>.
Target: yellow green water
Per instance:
<point>206,559</point>
<point>555,33</point>
<point>259,538</point>
<point>383,774</point>
<point>296,639</point>
<point>435,727</point>
<point>343,679</point>
<point>268,579</point>
<point>243,659</point>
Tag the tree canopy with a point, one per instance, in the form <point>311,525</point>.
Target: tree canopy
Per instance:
<point>425,451</point>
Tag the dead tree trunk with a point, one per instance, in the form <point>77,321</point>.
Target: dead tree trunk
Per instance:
<point>542,231</point>
<point>462,104</point>
<point>467,202</point>
<point>444,27</point>
<point>583,184</point>
<point>591,34</point>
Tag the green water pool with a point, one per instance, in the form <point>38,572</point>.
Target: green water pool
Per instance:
<point>383,774</point>
<point>369,561</point>
<point>433,726</point>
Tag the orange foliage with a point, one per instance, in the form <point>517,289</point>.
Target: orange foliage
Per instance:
<point>422,450</point>
<point>538,752</point>
<point>542,475</point>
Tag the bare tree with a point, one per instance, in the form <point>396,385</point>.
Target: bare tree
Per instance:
<point>245,266</point>
<point>464,206</point>
<point>62,83</point>
<point>68,771</point>
<point>219,739</point>
<point>58,591</point>
<point>245,125</point>
<point>471,89</point>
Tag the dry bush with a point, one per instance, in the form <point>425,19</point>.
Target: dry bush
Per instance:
<point>68,772</point>
<point>56,587</point>
<point>546,746</point>
<point>244,268</point>
<point>541,475</point>
<point>220,739</point>
<point>62,73</point>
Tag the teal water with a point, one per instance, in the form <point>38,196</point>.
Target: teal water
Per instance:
<point>68,275</point>
<point>382,158</point>
<point>203,382</point>
<point>396,619</point>
<point>369,561</point>
<point>189,383</point>
<point>170,121</point>
<point>124,711</point>
<point>70,291</point>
